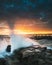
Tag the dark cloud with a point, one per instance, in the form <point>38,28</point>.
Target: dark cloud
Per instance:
<point>37,9</point>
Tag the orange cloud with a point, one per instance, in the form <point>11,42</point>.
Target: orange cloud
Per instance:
<point>30,26</point>
<point>25,26</point>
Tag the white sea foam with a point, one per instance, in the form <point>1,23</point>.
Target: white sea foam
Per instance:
<point>16,42</point>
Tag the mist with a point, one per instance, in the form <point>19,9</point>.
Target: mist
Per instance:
<point>16,42</point>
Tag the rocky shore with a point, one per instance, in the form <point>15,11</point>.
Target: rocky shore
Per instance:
<point>34,55</point>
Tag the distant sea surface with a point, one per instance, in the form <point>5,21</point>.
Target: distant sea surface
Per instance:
<point>46,42</point>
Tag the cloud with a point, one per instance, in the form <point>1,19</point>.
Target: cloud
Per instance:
<point>35,9</point>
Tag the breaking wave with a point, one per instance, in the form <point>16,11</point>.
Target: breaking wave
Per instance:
<point>16,42</point>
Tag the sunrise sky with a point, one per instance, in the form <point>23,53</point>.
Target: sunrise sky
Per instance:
<point>26,16</point>
<point>25,26</point>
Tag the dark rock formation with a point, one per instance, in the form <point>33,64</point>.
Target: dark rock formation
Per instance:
<point>3,61</point>
<point>30,56</point>
<point>8,48</point>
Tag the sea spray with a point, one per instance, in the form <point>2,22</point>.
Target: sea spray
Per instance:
<point>16,42</point>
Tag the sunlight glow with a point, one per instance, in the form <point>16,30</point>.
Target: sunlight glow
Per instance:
<point>32,32</point>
